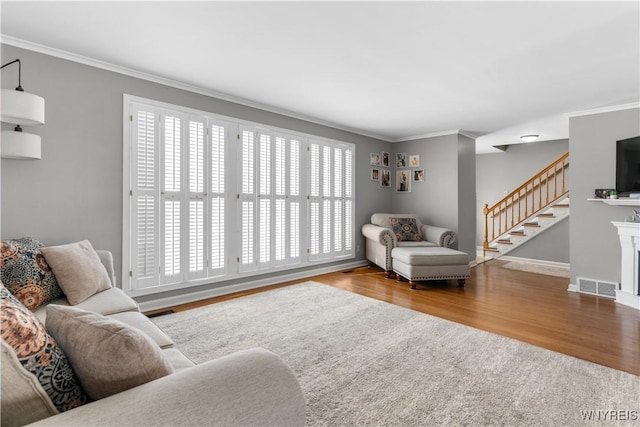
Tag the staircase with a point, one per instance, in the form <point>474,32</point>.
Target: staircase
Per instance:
<point>532,208</point>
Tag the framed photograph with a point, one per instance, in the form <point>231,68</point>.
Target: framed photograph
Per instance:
<point>375,174</point>
<point>403,181</point>
<point>414,160</point>
<point>418,175</point>
<point>401,160</point>
<point>385,178</point>
<point>375,159</point>
<point>385,160</point>
<point>603,193</point>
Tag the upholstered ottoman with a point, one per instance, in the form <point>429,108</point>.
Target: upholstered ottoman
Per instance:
<point>430,263</point>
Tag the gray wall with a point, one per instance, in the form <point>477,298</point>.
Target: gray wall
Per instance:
<point>595,248</point>
<point>446,198</point>
<point>552,245</point>
<point>500,173</point>
<point>75,191</point>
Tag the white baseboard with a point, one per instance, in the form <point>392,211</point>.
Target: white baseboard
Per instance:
<point>573,288</point>
<point>164,302</point>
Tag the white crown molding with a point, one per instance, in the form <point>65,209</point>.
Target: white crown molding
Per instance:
<point>604,109</point>
<point>46,50</point>
<point>434,134</point>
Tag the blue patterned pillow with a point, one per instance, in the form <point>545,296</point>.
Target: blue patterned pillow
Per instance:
<point>405,229</point>
<point>26,274</point>
<point>39,353</point>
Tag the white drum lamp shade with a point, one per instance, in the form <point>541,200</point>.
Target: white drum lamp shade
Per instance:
<point>20,145</point>
<point>21,108</point>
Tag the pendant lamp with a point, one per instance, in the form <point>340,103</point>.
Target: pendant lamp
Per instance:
<point>20,108</point>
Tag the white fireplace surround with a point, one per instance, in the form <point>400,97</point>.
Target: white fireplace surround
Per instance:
<point>629,233</point>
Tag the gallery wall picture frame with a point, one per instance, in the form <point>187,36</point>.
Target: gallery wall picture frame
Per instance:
<point>401,160</point>
<point>385,178</point>
<point>403,181</point>
<point>374,159</point>
<point>414,160</point>
<point>375,174</point>
<point>385,159</point>
<point>418,175</point>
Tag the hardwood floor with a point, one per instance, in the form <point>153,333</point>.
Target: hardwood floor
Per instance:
<point>529,307</point>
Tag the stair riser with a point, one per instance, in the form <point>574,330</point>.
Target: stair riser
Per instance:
<point>544,222</point>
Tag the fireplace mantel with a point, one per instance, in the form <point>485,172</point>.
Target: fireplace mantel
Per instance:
<point>629,234</point>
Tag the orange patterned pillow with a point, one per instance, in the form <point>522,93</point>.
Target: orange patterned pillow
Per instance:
<point>26,274</point>
<point>39,353</point>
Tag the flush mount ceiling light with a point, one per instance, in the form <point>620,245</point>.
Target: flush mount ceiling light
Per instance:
<point>529,138</point>
<point>20,108</point>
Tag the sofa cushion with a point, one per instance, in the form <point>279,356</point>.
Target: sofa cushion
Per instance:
<point>24,400</point>
<point>78,270</point>
<point>39,353</point>
<point>420,244</point>
<point>405,229</point>
<point>383,219</point>
<point>113,300</point>
<point>142,322</point>
<point>26,274</point>
<point>177,359</point>
<point>108,355</point>
<point>431,256</point>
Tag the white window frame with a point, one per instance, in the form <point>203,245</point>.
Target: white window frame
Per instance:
<point>296,250</point>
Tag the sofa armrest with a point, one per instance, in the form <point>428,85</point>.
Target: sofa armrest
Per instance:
<point>438,235</point>
<point>251,387</point>
<point>106,258</point>
<point>378,234</point>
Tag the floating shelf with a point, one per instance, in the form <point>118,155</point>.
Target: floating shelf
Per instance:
<point>618,202</point>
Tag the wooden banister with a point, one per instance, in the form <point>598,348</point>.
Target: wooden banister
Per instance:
<point>537,193</point>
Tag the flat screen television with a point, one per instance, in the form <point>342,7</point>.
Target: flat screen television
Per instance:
<point>628,166</point>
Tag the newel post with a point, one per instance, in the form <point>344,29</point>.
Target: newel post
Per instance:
<point>485,244</point>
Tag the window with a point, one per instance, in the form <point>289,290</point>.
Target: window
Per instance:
<point>210,198</point>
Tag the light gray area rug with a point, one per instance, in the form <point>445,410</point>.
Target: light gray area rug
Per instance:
<point>365,362</point>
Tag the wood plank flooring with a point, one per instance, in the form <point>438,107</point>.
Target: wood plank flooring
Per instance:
<point>528,307</point>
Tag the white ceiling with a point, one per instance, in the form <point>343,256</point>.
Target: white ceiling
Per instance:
<point>392,70</point>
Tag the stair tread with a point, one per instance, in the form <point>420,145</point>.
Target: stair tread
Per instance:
<point>492,250</point>
<point>547,215</point>
<point>518,233</point>
<point>531,224</point>
<point>505,242</point>
<point>561,205</point>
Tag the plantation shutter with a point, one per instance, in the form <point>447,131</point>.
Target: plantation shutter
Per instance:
<point>218,146</point>
<point>170,197</point>
<point>349,213</point>
<point>294,202</point>
<point>145,245</point>
<point>247,201</point>
<point>197,199</point>
<point>315,201</point>
<point>330,200</point>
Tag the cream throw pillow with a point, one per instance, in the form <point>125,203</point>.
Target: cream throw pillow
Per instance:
<point>24,400</point>
<point>107,355</point>
<point>78,270</point>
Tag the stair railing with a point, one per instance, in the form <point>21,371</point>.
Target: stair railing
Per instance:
<point>537,193</point>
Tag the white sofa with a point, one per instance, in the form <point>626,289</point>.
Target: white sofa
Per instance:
<point>252,387</point>
<point>380,239</point>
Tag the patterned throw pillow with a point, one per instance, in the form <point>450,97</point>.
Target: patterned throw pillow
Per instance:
<point>405,229</point>
<point>26,274</point>
<point>39,353</point>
